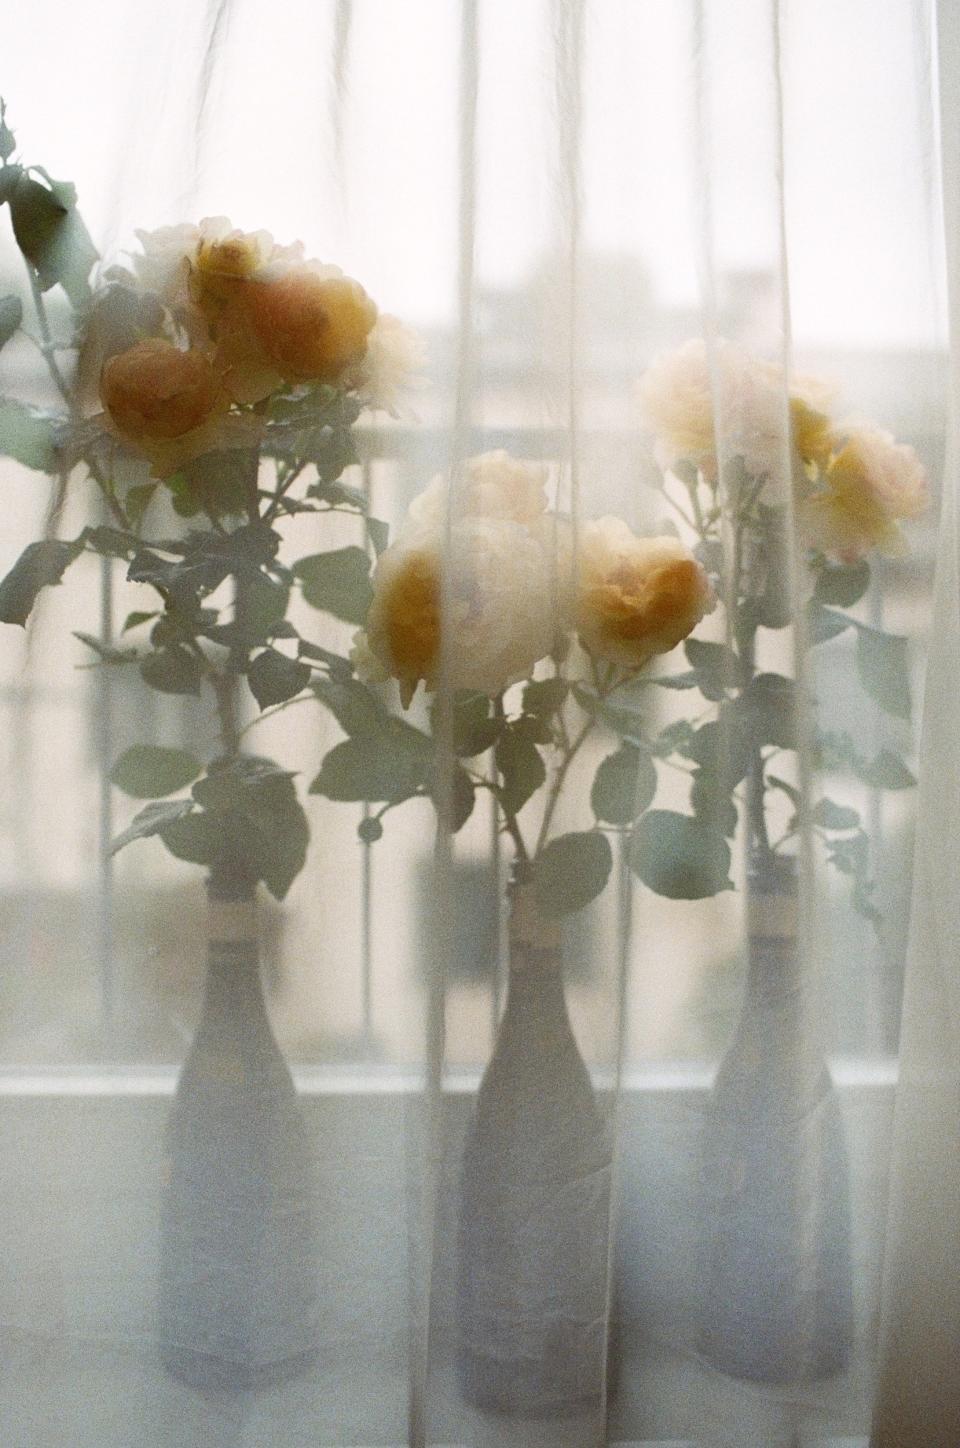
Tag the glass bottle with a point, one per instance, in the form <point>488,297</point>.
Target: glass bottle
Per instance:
<point>535,1193</point>
<point>777,1303</point>
<point>238,1263</point>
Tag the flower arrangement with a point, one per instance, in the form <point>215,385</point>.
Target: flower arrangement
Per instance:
<point>520,598</point>
<point>217,379</point>
<point>759,471</point>
<point>488,588</point>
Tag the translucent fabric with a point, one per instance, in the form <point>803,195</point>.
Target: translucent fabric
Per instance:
<point>619,1142</point>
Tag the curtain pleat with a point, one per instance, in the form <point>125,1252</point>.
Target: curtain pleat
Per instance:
<point>558,194</point>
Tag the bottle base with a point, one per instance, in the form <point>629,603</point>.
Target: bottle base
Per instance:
<point>522,1389</point>
<point>206,1370</point>
<point>761,1359</point>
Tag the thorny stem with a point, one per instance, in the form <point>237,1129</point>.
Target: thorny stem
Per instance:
<point>49,352</point>
<point>557,786</point>
<point>46,341</point>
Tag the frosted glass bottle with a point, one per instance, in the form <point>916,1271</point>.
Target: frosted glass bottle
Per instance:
<point>238,1263</point>
<point>777,1303</point>
<point>535,1192</point>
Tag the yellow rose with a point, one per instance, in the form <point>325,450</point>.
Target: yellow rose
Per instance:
<point>636,597</point>
<point>155,391</point>
<point>309,326</point>
<point>870,484</point>
<point>500,620</point>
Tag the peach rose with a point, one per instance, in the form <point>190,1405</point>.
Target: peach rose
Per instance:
<point>636,597</point>
<point>156,391</point>
<point>169,404</point>
<point>309,325</point>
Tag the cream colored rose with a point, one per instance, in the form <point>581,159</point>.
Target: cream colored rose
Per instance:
<point>869,485</point>
<point>636,597</point>
<point>500,622</point>
<point>393,364</point>
<point>731,405</point>
<point>190,267</point>
<point>495,485</point>
<point>676,405</point>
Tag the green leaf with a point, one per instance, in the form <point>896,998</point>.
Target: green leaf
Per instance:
<point>521,767</point>
<point>173,671</point>
<point>571,871</point>
<point>27,436</point>
<point>717,668</point>
<point>231,782</point>
<point>824,623</point>
<point>11,315</point>
<point>137,501</point>
<point>883,668</point>
<point>8,142</point>
<point>459,792</point>
<point>832,816</point>
<point>106,653</point>
<point>110,542</point>
<point>337,582</point>
<point>370,768</point>
<point>273,678</point>
<point>51,235</point>
<point>722,747</point>
<point>40,565</point>
<point>133,620</point>
<point>624,785</point>
<point>680,857</point>
<point>689,680</point>
<point>253,803</point>
<point>842,584</point>
<point>628,723</point>
<point>214,483</point>
<point>675,738</point>
<point>148,771</point>
<point>886,771</point>
<point>9,175</point>
<point>712,803</point>
<point>196,838</point>
<point>475,728</point>
<point>152,821</point>
<point>379,534</point>
<point>339,667</point>
<point>767,710</point>
<point>544,697</point>
<point>355,708</point>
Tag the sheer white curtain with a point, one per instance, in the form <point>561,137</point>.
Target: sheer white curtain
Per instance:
<point>555,193</point>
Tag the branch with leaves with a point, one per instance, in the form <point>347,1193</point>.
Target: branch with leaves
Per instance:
<point>211,393</point>
<point>764,481</point>
<point>537,633</point>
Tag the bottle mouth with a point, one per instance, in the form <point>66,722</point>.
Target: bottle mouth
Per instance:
<point>770,874</point>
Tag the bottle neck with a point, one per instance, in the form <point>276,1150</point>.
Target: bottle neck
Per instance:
<point>535,956</point>
<point>233,998</point>
<point>773,942</point>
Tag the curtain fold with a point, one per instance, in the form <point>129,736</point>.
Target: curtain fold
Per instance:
<point>631,1099</point>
